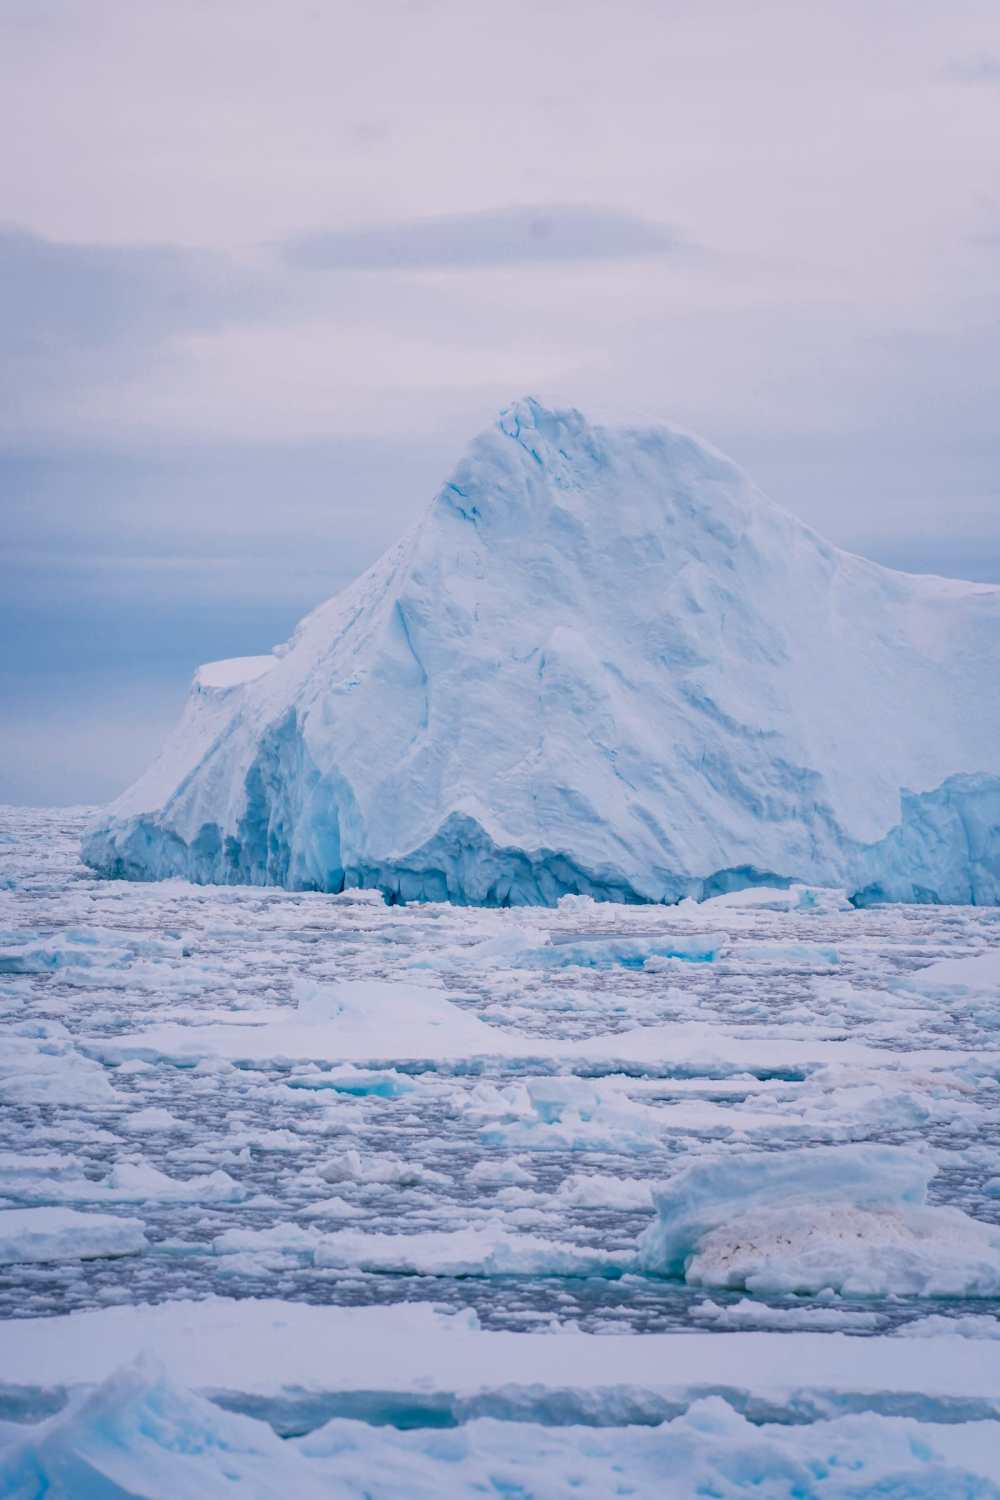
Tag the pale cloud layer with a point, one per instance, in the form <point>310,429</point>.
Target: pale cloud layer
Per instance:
<point>205,192</point>
<point>266,266</point>
<point>506,237</point>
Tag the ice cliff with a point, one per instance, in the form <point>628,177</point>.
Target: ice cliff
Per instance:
<point>601,662</point>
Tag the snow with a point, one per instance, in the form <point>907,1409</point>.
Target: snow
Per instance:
<point>53,1234</point>
<point>271,1349</point>
<point>191,1399</point>
<point>956,977</point>
<point>233,672</point>
<point>931,1252</point>
<point>601,663</point>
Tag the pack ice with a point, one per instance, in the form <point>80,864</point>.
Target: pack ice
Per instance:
<point>601,663</point>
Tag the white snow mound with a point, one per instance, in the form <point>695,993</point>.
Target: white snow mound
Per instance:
<point>851,1219</point>
<point>601,663</point>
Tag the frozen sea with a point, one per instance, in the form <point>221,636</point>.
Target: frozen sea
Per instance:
<point>264,1151</point>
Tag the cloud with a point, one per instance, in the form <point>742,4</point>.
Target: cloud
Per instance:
<point>125,339</point>
<point>470,241</point>
<point>976,67</point>
<point>88,324</point>
<point>280,411</point>
<point>64,296</point>
<point>58,297</point>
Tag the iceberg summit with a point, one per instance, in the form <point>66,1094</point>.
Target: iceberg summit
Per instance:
<point>602,662</point>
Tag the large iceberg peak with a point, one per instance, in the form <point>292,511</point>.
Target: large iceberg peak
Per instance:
<point>538,427</point>
<point>530,453</point>
<point>552,437</point>
<point>548,475</point>
<point>604,663</point>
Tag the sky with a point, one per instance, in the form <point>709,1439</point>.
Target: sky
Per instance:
<point>266,267</point>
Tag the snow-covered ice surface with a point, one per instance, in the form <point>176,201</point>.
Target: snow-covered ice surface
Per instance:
<point>334,1197</point>
<point>601,662</point>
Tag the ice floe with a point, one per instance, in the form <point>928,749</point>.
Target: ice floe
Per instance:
<point>54,1234</point>
<point>40,1064</point>
<point>28,1180</point>
<point>271,1349</point>
<point>850,1219</point>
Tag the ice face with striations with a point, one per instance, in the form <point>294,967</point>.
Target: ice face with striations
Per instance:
<point>602,662</point>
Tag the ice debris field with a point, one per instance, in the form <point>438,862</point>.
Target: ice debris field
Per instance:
<point>307,1194</point>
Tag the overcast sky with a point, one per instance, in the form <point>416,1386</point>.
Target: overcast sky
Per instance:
<point>267,266</point>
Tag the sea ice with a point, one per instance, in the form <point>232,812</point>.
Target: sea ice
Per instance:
<point>852,1219</point>
<point>748,1313</point>
<point>269,1349</point>
<point>595,1191</point>
<point>40,1065</point>
<point>966,1326</point>
<point>152,1120</point>
<point>81,948</point>
<point>142,1435</point>
<point>350,1167</point>
<point>953,978</point>
<point>495,1135</point>
<point>504,1172</point>
<point>488,1249</point>
<point>54,1234</point>
<point>28,1181</point>
<point>800,898</point>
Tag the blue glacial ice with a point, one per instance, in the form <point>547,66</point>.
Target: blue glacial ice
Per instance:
<point>601,663</point>
<point>143,1435</point>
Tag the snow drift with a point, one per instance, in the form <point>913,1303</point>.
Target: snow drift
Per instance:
<point>602,662</point>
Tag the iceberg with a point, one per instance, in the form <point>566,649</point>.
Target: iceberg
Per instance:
<point>846,1219</point>
<point>600,664</point>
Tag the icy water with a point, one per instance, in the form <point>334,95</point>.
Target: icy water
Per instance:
<point>287,1164</point>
